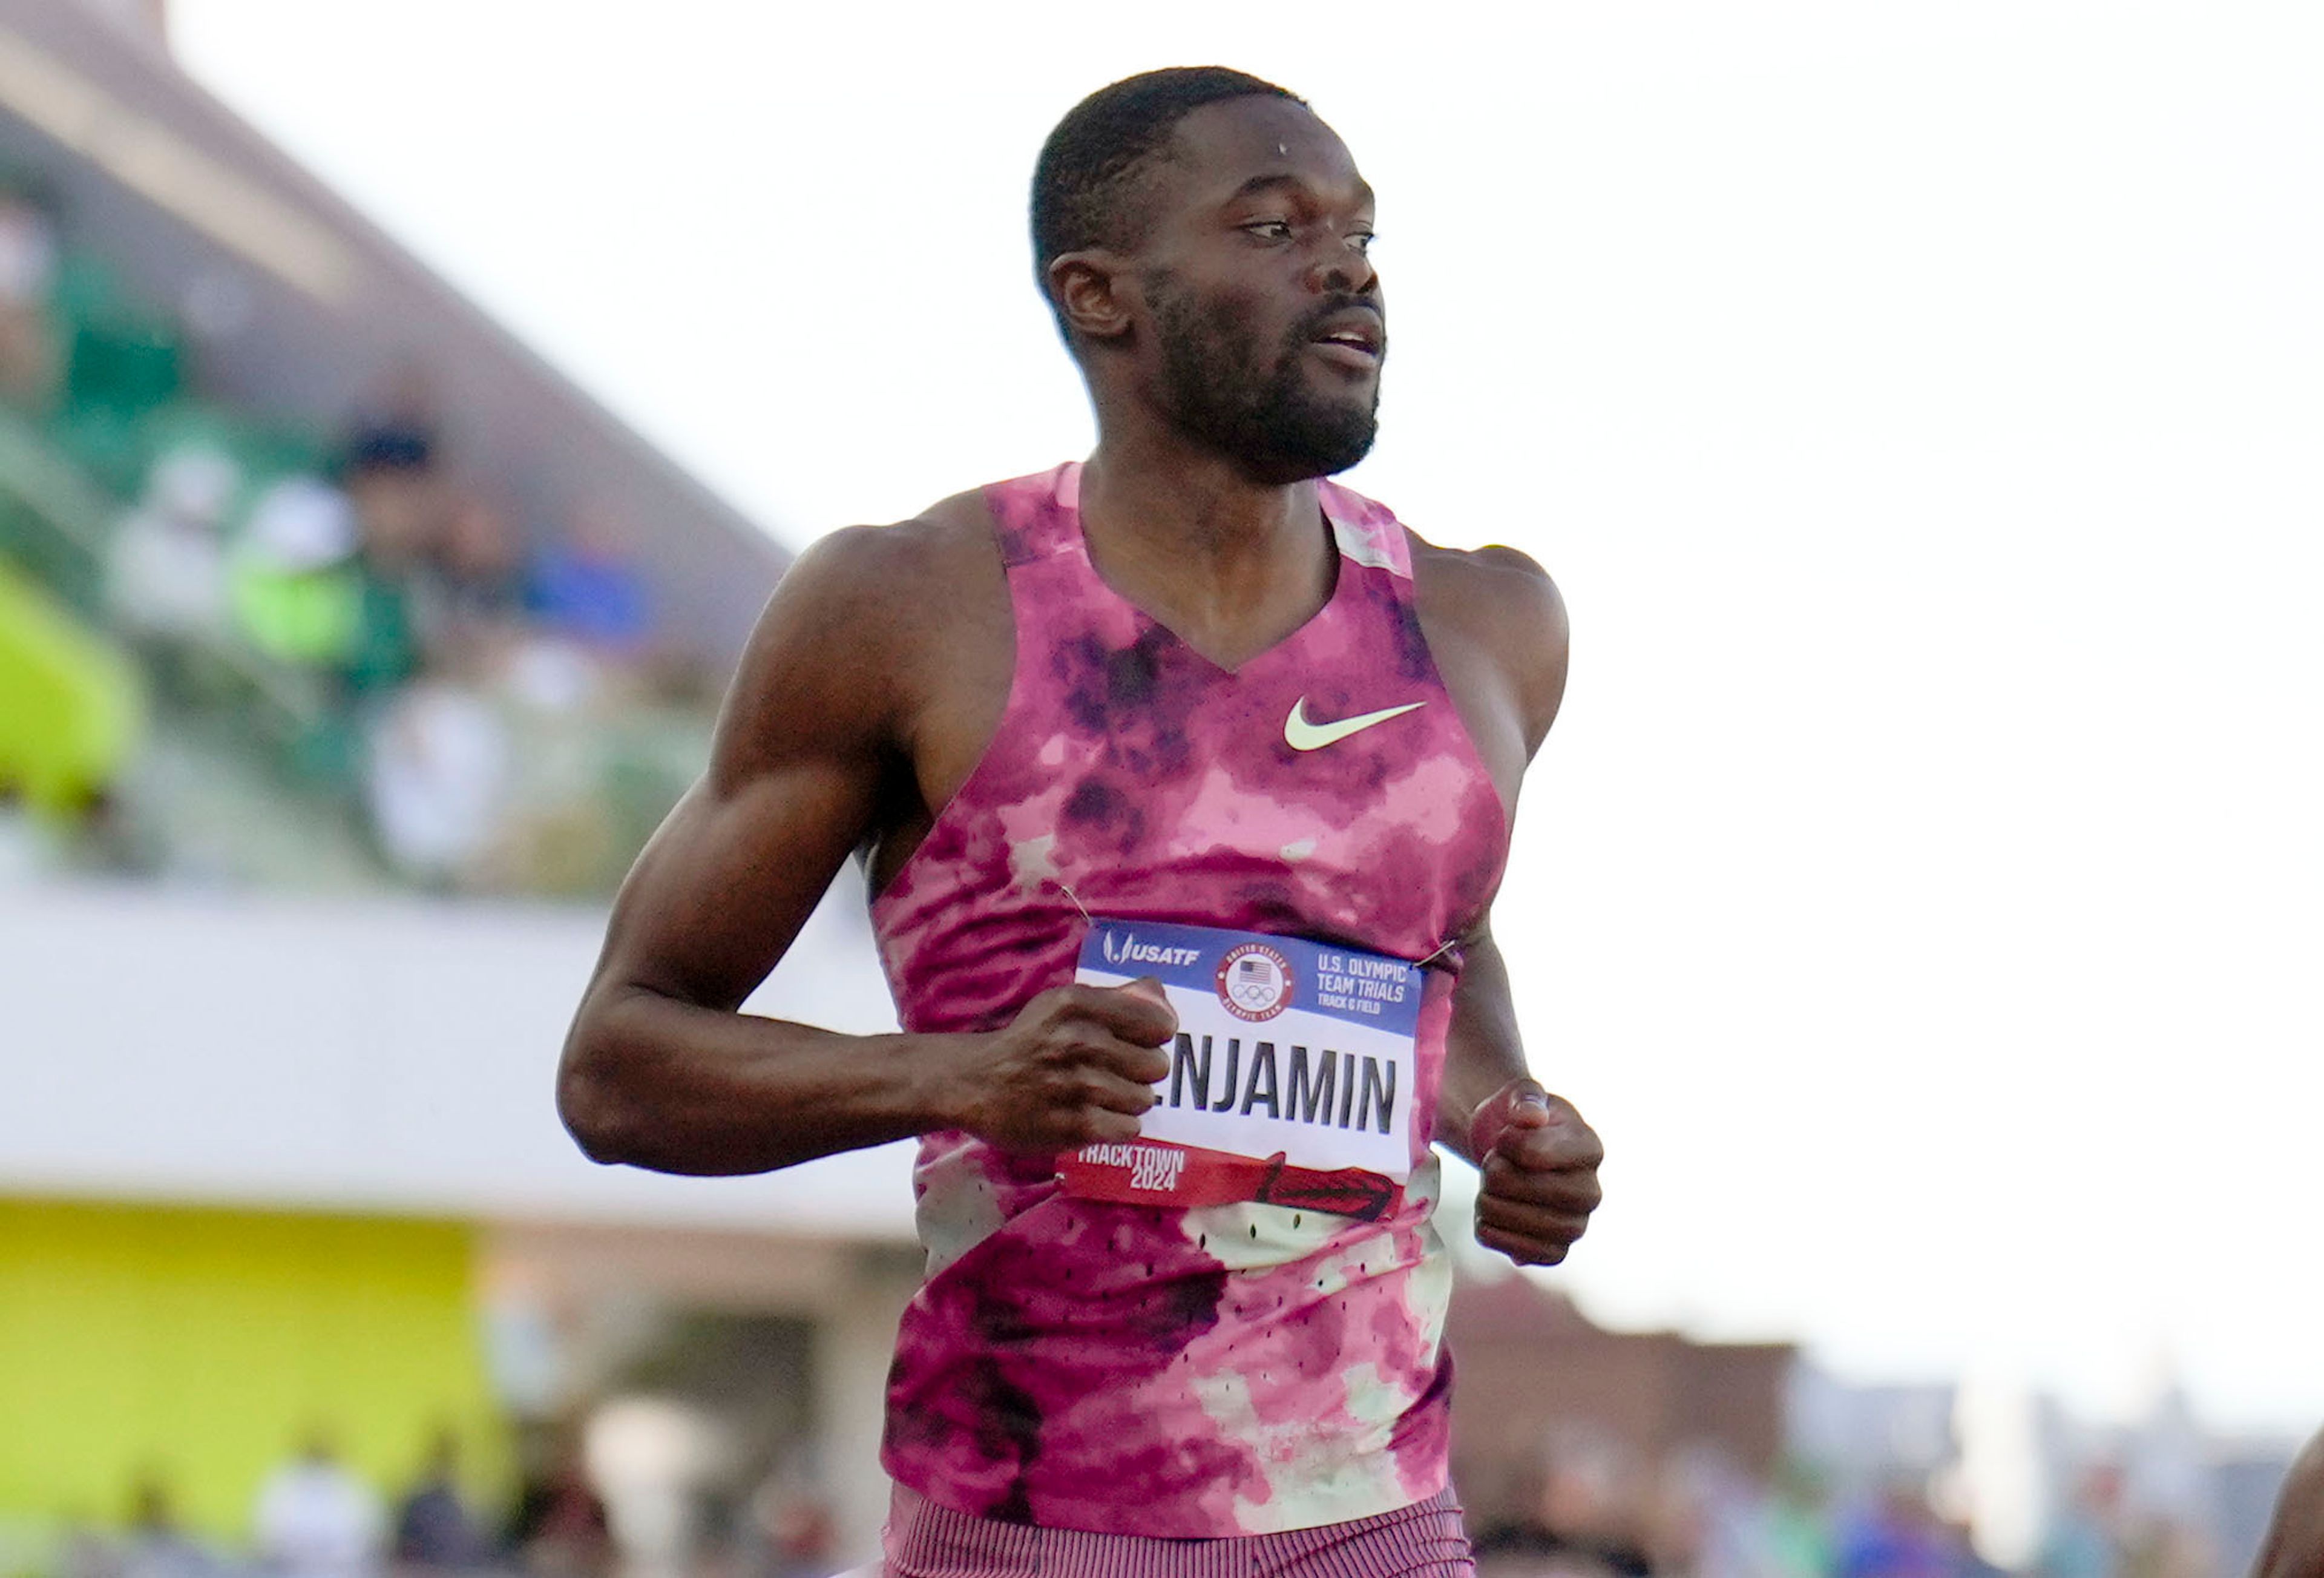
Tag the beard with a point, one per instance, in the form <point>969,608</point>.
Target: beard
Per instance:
<point>1268,418</point>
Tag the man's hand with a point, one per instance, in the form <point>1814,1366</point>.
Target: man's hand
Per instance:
<point>1077,1065</point>
<point>1538,1171</point>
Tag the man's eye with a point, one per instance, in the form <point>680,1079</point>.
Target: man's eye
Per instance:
<point>1271,229</point>
<point>1361,240</point>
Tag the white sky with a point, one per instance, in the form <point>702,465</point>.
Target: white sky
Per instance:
<point>1920,408</point>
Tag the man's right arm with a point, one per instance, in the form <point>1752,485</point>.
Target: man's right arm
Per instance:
<point>661,1071</point>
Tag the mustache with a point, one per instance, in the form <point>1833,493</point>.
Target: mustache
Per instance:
<point>1331,308</point>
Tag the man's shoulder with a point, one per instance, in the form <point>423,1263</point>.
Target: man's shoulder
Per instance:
<point>1493,589</point>
<point>885,564</point>
<point>1495,609</point>
<point>859,624</point>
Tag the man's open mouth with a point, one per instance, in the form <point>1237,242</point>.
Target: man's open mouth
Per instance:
<point>1354,338</point>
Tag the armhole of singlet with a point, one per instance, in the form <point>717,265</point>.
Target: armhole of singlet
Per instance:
<point>1011,706</point>
<point>1349,514</point>
<point>1509,813</point>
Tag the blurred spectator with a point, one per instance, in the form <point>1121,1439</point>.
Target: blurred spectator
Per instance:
<point>590,588</point>
<point>83,1553</point>
<point>1707,1519</point>
<point>29,355</point>
<point>1798,1529</point>
<point>391,467</point>
<point>1897,1536</point>
<point>315,1519</point>
<point>469,596</point>
<point>2162,1546</point>
<point>434,1528</point>
<point>552,677</point>
<point>375,625</point>
<point>399,441</point>
<point>303,595</point>
<point>790,1529</point>
<point>436,779</point>
<point>2085,1539</point>
<point>386,650</point>
<point>482,557</point>
<point>124,369</point>
<point>1583,1518</point>
<point>297,596</point>
<point>156,1547</point>
<point>561,1529</point>
<point>166,574</point>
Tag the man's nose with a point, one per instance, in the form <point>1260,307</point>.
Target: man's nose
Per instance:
<point>1339,269</point>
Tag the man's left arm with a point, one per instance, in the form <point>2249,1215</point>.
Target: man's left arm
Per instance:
<point>1498,628</point>
<point>1536,1160</point>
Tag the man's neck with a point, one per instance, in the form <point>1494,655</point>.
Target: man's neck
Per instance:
<point>1232,564</point>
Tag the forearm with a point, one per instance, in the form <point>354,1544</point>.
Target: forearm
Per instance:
<point>1482,1050</point>
<point>669,1085</point>
<point>1536,1160</point>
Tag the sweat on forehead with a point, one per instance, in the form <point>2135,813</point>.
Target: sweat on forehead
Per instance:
<point>1086,182</point>
<point>1254,138</point>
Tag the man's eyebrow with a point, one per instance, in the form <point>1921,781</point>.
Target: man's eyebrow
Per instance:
<point>1282,180</point>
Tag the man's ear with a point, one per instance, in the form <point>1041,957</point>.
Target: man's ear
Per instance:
<point>1089,288</point>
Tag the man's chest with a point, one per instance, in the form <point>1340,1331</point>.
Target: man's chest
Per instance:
<point>962,691</point>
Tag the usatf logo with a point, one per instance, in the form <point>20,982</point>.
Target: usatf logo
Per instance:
<point>1128,950</point>
<point>1254,981</point>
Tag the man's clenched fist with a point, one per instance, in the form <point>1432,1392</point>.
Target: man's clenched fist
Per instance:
<point>1537,1173</point>
<point>1078,1064</point>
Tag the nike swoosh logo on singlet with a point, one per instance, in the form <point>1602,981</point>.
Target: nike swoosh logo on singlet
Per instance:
<point>1301,736</point>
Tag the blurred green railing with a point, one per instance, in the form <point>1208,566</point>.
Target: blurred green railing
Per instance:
<point>58,525</point>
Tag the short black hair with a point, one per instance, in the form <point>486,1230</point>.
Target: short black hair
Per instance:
<point>1082,183</point>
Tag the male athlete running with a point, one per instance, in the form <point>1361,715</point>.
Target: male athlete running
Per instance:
<point>1183,781</point>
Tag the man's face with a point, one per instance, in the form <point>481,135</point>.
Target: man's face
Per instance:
<point>1267,328</point>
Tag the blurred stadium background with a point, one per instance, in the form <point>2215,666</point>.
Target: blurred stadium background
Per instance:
<point>347,654</point>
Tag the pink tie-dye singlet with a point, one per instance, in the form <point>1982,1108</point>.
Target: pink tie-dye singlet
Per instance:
<point>1194,1371</point>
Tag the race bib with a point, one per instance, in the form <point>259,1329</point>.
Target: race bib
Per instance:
<point>1292,1077</point>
